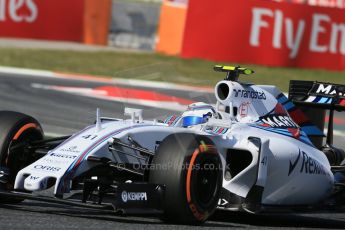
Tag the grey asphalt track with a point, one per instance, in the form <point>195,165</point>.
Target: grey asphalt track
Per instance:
<point>63,113</point>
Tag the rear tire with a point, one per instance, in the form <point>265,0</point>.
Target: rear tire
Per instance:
<point>190,168</point>
<point>15,128</point>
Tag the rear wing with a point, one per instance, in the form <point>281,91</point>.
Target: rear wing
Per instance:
<point>321,95</point>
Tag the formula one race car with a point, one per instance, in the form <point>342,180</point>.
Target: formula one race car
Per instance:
<point>254,151</point>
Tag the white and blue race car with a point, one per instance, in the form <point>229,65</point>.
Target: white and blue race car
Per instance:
<point>254,151</point>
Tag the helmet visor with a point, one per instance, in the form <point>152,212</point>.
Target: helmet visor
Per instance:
<point>192,120</point>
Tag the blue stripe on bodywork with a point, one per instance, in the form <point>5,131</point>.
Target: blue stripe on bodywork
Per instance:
<point>282,99</point>
<point>286,133</point>
<point>308,129</point>
<point>323,100</point>
<point>329,101</point>
<point>317,99</point>
<point>289,105</point>
<point>312,130</point>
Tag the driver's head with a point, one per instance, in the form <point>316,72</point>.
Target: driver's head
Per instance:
<point>198,113</point>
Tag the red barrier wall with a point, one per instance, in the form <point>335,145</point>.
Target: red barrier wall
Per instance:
<point>264,32</point>
<point>52,19</point>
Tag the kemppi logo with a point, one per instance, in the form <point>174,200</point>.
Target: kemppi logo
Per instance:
<point>18,10</point>
<point>133,196</point>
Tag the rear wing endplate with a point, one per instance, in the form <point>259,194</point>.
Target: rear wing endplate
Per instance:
<point>317,94</point>
<point>326,96</point>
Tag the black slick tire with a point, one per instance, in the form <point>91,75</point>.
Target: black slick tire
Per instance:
<point>16,129</point>
<point>190,168</point>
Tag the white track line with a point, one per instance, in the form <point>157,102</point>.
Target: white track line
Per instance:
<point>27,72</point>
<point>88,78</point>
<point>99,94</point>
<point>50,134</point>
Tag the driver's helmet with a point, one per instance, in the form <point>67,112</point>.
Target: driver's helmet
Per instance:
<point>198,113</point>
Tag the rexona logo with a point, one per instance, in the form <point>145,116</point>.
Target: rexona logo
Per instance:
<point>47,168</point>
<point>133,196</point>
<point>328,90</point>
<point>18,11</point>
<point>309,165</point>
<point>278,121</point>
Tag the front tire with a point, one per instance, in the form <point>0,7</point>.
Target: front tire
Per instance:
<point>16,129</point>
<point>190,168</point>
